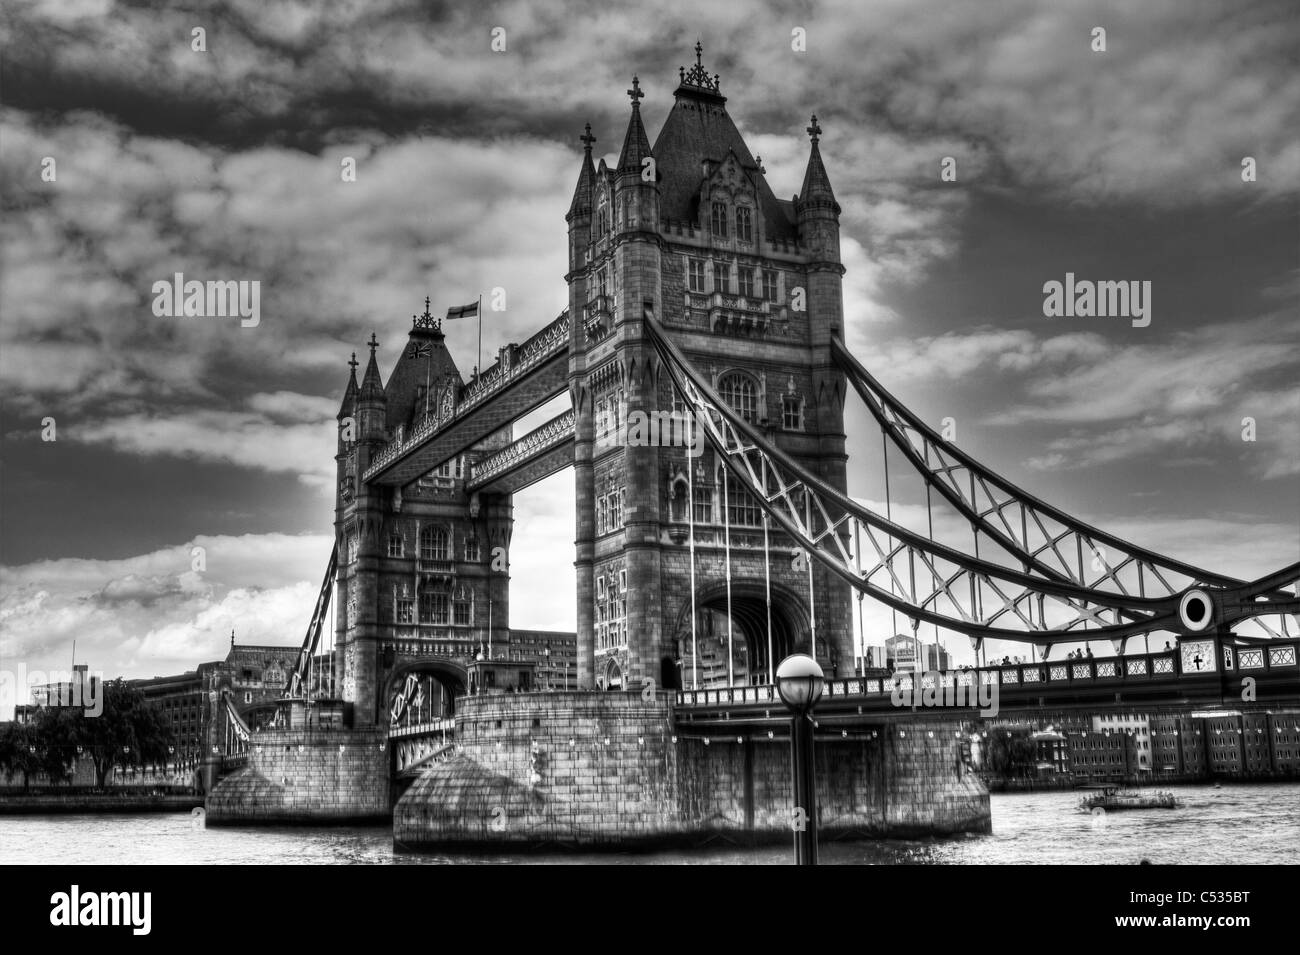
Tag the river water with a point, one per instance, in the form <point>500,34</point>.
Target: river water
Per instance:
<point>1234,824</point>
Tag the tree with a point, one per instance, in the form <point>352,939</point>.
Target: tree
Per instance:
<point>1010,753</point>
<point>19,752</point>
<point>129,731</point>
<point>55,736</point>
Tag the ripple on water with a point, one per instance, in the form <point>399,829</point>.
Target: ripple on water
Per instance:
<point>1235,824</point>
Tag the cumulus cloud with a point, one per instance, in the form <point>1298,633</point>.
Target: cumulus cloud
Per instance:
<point>1110,401</point>
<point>155,613</point>
<point>226,165</point>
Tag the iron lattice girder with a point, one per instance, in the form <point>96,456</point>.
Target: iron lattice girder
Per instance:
<point>941,473</point>
<point>312,638</point>
<point>823,520</point>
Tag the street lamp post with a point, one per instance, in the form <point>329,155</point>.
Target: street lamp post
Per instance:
<point>800,681</point>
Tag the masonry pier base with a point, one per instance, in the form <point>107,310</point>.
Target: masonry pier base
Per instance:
<point>610,771</point>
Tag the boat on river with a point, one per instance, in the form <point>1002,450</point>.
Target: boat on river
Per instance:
<point>1113,798</point>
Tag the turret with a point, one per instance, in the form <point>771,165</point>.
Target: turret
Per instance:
<point>636,173</point>
<point>580,207</point>
<point>579,219</point>
<point>371,404</point>
<point>347,416</point>
<point>818,212</point>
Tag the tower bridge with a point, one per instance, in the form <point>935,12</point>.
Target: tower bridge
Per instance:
<point>695,291</point>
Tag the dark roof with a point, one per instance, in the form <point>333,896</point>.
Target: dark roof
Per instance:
<point>816,184</point>
<point>416,367</point>
<point>372,386</point>
<point>586,187</point>
<point>636,144</point>
<point>349,405</point>
<point>698,128</point>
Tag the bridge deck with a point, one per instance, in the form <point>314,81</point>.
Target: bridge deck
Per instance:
<point>1140,680</point>
<point>528,376</point>
<point>535,456</point>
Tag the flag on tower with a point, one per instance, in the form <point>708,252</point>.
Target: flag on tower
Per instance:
<point>462,311</point>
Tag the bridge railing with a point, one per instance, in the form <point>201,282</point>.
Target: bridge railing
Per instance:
<point>1153,667</point>
<point>423,729</point>
<point>543,345</point>
<point>555,431</point>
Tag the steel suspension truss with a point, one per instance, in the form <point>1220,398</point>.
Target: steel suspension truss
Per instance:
<point>1046,540</point>
<point>235,730</point>
<point>312,640</point>
<point>938,584</point>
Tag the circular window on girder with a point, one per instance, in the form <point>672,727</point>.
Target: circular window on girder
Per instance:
<point>1196,610</point>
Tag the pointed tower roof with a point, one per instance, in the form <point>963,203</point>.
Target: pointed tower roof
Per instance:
<point>698,128</point>
<point>816,184</point>
<point>636,144</point>
<point>582,193</point>
<point>350,395</point>
<point>372,386</point>
<point>422,373</point>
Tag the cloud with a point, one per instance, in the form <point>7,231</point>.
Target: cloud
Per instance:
<point>1108,401</point>
<point>154,614</point>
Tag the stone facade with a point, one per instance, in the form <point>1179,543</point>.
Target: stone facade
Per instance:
<point>321,774</point>
<point>608,770</point>
<point>749,287</point>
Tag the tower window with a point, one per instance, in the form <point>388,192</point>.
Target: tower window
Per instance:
<point>744,224</point>
<point>721,277</point>
<point>472,553</point>
<point>746,277</point>
<point>405,611</point>
<point>719,220</point>
<point>433,608</point>
<point>703,505</point>
<point>769,285</point>
<point>742,509</point>
<point>695,275</point>
<point>435,544</point>
<point>791,412</point>
<point>460,609</point>
<point>740,393</point>
<point>395,545</point>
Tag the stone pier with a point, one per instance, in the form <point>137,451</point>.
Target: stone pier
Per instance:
<point>320,774</point>
<point>608,770</point>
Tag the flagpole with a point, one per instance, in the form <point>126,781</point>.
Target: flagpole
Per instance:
<point>479,367</point>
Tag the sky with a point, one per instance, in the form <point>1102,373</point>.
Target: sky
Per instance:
<point>172,434</point>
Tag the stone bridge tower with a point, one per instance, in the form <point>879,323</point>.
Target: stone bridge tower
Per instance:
<point>749,286</point>
<point>416,585</point>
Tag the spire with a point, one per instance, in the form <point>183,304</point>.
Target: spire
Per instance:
<point>636,144</point>
<point>372,387</point>
<point>350,395</point>
<point>427,322</point>
<point>816,191</point>
<point>696,80</point>
<point>581,204</point>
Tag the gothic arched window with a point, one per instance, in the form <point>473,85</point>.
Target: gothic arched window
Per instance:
<point>719,220</point>
<point>792,412</point>
<point>677,504</point>
<point>740,392</point>
<point>744,224</point>
<point>742,508</point>
<point>435,543</point>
